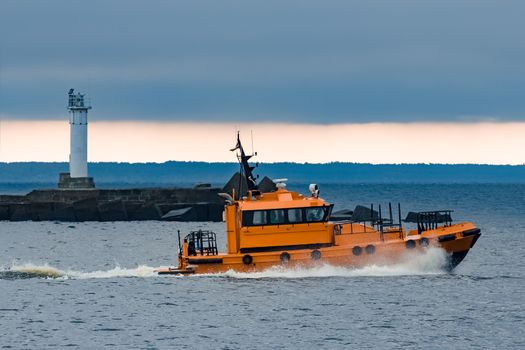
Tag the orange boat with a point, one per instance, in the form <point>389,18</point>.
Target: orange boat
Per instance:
<point>286,228</point>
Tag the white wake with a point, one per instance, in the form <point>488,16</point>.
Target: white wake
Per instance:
<point>432,261</point>
<point>30,270</point>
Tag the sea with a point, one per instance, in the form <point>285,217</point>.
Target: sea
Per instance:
<point>92,285</point>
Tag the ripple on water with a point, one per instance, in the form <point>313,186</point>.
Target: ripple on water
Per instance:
<point>478,306</point>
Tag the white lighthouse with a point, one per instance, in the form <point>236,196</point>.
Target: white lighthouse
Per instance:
<point>78,123</point>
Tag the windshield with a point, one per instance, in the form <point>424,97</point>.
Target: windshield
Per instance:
<point>286,216</point>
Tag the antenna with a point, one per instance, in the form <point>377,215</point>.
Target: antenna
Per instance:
<point>251,131</point>
<point>245,166</point>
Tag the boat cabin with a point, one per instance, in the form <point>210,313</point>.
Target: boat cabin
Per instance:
<point>277,220</point>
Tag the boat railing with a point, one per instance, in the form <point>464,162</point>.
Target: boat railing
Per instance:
<point>389,224</point>
<point>371,220</point>
<point>202,242</point>
<point>338,226</point>
<point>430,220</point>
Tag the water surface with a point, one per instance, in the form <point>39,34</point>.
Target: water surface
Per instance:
<point>90,285</point>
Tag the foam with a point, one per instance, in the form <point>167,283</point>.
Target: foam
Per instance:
<point>430,262</point>
<point>29,270</point>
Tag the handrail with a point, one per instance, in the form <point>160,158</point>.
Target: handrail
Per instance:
<point>202,242</point>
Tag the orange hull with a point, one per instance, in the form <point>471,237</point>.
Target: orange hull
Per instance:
<point>354,250</point>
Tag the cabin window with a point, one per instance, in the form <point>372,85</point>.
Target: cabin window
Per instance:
<point>276,216</point>
<point>254,218</point>
<point>315,214</point>
<point>286,216</point>
<point>259,217</point>
<point>295,216</point>
<point>247,218</point>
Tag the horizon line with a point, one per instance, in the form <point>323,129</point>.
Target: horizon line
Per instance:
<point>272,163</point>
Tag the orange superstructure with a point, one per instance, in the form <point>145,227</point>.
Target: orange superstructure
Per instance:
<point>285,227</point>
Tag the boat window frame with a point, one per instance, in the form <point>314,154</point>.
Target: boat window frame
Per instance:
<point>307,212</point>
<point>301,220</point>
<point>270,220</point>
<point>247,216</point>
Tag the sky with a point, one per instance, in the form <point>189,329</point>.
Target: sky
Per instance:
<point>393,143</point>
<point>310,64</point>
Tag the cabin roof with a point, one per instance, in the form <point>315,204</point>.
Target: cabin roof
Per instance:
<point>279,199</point>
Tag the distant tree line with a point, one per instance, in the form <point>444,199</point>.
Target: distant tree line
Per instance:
<point>175,173</point>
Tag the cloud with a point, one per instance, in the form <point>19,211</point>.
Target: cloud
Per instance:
<point>307,61</point>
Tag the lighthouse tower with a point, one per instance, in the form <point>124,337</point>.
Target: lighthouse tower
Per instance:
<point>78,171</point>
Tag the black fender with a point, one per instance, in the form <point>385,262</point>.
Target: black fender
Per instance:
<point>285,257</point>
<point>447,238</point>
<point>247,259</point>
<point>357,250</point>
<point>411,244</point>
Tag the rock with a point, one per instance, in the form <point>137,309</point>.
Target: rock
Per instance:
<point>267,185</point>
<point>193,212</point>
<point>183,214</point>
<point>238,183</point>
<point>112,211</point>
<point>4,212</point>
<point>86,210</point>
<point>202,185</point>
<point>62,212</point>
<point>362,213</point>
<point>39,211</point>
<point>18,212</point>
<point>132,207</point>
<point>215,212</point>
<point>147,211</point>
<point>345,214</point>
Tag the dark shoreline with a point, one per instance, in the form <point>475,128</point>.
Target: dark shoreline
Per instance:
<point>186,173</point>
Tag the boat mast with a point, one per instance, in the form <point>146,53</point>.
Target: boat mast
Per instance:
<point>246,167</point>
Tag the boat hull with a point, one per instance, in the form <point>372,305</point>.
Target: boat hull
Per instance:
<point>456,242</point>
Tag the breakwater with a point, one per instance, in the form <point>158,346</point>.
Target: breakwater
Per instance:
<point>200,203</point>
